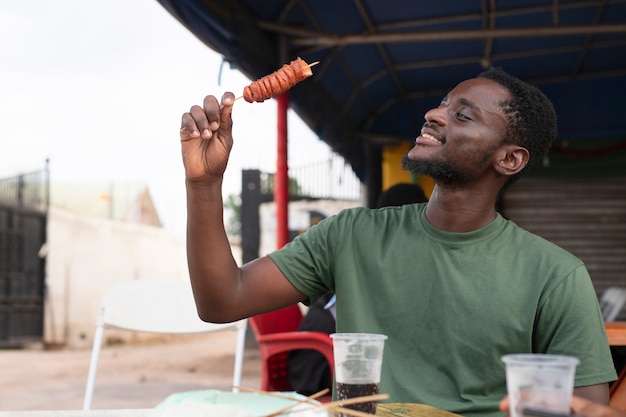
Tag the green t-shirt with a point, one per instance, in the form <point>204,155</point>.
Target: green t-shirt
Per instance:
<point>451,303</point>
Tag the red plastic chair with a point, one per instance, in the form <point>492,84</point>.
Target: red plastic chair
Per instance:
<point>277,334</point>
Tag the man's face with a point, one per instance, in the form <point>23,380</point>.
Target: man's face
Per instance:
<point>460,136</point>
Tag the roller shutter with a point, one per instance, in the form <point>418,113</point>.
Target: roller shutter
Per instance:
<point>585,217</point>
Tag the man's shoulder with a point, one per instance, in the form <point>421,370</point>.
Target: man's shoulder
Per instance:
<point>535,243</point>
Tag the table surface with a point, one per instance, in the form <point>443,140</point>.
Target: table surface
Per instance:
<point>411,410</point>
<point>385,410</point>
<point>78,413</point>
<point>616,332</point>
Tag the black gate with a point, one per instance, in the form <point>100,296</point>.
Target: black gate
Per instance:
<point>24,201</point>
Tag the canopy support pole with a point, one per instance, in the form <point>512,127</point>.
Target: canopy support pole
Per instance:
<point>281,180</point>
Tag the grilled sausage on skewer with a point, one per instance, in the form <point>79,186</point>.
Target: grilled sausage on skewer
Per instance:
<point>278,82</point>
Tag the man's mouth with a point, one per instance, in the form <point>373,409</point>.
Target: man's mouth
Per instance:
<point>424,138</point>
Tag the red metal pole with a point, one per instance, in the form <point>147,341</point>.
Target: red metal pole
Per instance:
<point>281,179</point>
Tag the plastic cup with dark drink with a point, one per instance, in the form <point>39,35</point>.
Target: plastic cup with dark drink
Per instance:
<point>358,361</point>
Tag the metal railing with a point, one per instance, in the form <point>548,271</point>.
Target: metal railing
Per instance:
<point>29,190</point>
<point>332,178</point>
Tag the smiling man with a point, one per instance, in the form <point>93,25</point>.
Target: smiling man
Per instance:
<point>452,283</point>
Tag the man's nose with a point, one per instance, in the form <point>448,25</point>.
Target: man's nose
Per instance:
<point>436,115</point>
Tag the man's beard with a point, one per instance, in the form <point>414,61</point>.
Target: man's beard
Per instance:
<point>440,171</point>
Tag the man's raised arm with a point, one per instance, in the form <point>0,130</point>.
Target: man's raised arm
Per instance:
<point>223,292</point>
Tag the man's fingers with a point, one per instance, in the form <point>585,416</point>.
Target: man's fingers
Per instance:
<point>504,404</point>
<point>188,127</point>
<point>212,111</point>
<point>228,99</point>
<point>204,121</point>
<point>201,121</point>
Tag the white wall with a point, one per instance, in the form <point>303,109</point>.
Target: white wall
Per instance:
<point>88,255</point>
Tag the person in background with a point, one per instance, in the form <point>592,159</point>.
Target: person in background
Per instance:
<point>308,370</point>
<point>400,194</point>
<point>452,283</point>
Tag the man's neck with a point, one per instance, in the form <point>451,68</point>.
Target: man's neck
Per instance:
<point>460,210</point>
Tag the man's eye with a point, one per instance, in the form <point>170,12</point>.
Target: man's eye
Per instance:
<point>462,116</point>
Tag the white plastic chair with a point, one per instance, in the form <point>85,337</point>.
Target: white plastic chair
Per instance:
<point>165,307</point>
<point>612,302</point>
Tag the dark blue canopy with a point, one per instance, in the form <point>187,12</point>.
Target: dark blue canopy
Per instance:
<point>383,64</point>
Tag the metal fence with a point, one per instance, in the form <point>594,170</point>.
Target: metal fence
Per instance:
<point>26,191</point>
<point>24,201</point>
<point>332,178</point>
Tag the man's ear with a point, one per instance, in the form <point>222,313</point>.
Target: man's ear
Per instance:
<point>511,159</point>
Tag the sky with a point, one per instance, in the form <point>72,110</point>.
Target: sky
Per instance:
<point>99,87</point>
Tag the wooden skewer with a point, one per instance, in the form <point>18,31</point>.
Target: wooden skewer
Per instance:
<point>333,406</point>
<point>268,393</point>
<point>338,406</point>
<point>342,410</point>
<point>296,401</point>
<point>308,399</point>
<point>356,400</point>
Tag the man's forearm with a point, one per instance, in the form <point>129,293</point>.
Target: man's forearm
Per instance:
<point>213,271</point>
<point>598,393</point>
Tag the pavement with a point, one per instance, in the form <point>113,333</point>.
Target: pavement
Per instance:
<point>129,376</point>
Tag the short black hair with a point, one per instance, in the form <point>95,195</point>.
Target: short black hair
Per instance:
<point>531,116</point>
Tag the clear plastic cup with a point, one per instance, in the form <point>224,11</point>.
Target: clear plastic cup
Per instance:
<point>358,362</point>
<point>539,381</point>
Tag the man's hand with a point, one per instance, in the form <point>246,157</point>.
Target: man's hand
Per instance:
<point>586,408</point>
<point>581,407</point>
<point>206,139</point>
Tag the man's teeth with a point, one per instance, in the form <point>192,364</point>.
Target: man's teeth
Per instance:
<point>430,137</point>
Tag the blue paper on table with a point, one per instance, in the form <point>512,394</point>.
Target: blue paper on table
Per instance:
<point>252,404</point>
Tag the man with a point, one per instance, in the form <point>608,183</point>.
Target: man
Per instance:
<point>452,283</point>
